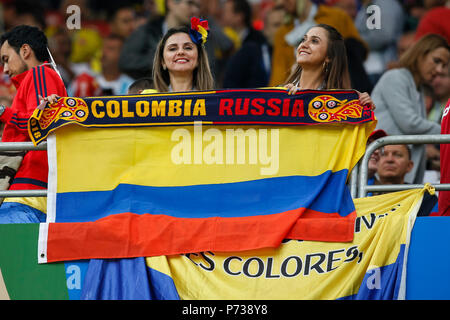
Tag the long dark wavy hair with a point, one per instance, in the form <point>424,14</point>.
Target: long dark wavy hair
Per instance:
<point>335,72</point>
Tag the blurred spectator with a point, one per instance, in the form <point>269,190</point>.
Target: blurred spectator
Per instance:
<point>30,13</point>
<point>23,12</point>
<point>136,58</point>
<point>441,93</point>
<point>7,93</point>
<point>383,41</point>
<point>273,20</point>
<point>84,85</point>
<point>349,6</point>
<point>140,85</point>
<point>433,113</point>
<point>405,41</point>
<point>7,89</point>
<point>122,20</point>
<point>110,81</point>
<point>90,19</point>
<point>374,157</point>
<point>8,15</point>
<point>430,4</point>
<point>260,9</point>
<point>357,52</point>
<point>436,20</point>
<point>219,46</point>
<point>148,9</point>
<point>400,99</point>
<point>249,67</point>
<point>86,41</point>
<point>356,55</point>
<point>211,9</point>
<point>414,10</point>
<point>304,14</point>
<point>86,48</point>
<point>60,46</point>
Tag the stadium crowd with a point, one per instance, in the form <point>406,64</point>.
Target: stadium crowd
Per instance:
<point>252,43</point>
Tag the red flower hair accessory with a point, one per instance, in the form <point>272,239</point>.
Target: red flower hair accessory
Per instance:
<point>199,30</point>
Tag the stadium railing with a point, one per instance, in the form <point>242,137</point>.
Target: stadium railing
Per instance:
<point>358,176</point>
<point>22,146</point>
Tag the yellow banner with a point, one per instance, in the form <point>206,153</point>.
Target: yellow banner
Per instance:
<point>370,267</point>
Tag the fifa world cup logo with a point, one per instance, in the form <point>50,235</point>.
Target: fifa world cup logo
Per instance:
<point>327,108</point>
<point>69,109</point>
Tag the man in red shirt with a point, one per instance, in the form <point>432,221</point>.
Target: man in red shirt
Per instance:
<point>24,54</point>
<point>444,196</point>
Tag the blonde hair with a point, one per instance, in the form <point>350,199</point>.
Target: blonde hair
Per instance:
<point>202,77</point>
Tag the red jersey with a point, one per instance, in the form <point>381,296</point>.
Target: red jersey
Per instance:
<point>44,81</point>
<point>444,196</point>
<point>436,20</point>
<point>85,85</point>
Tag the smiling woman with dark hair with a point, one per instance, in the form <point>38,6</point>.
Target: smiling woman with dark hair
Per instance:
<point>331,56</point>
<point>181,62</point>
<point>322,63</point>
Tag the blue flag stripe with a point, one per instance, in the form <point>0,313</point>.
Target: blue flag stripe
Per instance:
<point>240,199</point>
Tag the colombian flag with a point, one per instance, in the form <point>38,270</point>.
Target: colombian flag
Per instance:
<point>150,191</point>
<point>371,267</point>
